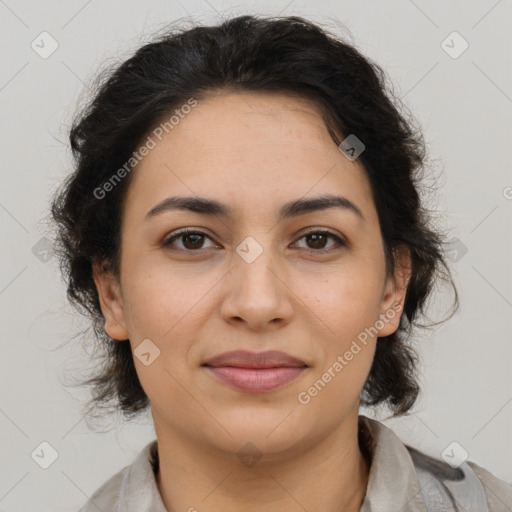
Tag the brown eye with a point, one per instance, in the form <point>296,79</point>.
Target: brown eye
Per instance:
<point>191,240</point>
<point>316,240</point>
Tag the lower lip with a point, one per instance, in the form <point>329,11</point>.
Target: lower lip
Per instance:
<point>256,380</point>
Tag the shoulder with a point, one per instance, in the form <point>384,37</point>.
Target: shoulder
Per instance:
<point>405,476</point>
<point>468,485</point>
<point>497,491</point>
<point>107,495</point>
<point>132,489</point>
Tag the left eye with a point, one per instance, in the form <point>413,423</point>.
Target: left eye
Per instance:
<point>193,240</point>
<point>319,238</point>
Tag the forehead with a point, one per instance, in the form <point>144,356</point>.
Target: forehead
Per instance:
<point>257,149</point>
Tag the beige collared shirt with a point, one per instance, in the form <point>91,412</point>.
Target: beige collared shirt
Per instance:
<point>393,484</point>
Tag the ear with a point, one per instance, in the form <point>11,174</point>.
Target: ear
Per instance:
<point>395,289</point>
<point>111,302</point>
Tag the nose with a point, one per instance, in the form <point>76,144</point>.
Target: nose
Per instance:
<point>257,293</point>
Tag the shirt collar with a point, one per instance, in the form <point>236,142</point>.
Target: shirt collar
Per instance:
<point>392,482</point>
<point>139,491</point>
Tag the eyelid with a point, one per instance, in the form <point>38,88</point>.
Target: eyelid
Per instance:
<point>340,240</point>
<point>184,231</point>
<point>319,229</point>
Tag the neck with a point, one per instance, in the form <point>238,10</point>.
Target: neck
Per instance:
<point>331,475</point>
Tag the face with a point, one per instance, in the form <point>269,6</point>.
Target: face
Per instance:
<point>309,283</point>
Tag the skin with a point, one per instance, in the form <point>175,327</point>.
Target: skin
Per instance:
<point>254,152</point>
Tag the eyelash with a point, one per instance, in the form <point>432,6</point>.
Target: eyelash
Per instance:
<point>168,243</point>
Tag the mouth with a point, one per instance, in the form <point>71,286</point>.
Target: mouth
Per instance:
<point>255,372</point>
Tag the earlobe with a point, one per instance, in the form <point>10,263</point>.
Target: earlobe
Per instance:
<point>396,288</point>
<point>111,303</point>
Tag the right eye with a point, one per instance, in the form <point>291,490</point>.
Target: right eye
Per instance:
<point>191,240</point>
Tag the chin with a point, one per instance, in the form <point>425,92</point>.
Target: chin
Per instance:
<point>272,430</point>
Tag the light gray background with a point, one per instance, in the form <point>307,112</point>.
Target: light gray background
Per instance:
<point>464,106</point>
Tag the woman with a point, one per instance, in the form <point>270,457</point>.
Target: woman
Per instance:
<point>244,227</point>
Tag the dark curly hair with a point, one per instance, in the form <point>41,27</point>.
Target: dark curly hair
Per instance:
<point>246,53</point>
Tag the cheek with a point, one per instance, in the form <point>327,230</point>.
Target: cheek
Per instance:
<point>166,310</point>
<point>346,307</point>
<point>347,300</point>
<point>156,305</point>
<point>167,304</point>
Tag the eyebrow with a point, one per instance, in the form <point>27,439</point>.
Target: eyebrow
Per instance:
<point>205,206</point>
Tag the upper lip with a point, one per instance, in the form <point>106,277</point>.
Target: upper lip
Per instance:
<point>246,359</point>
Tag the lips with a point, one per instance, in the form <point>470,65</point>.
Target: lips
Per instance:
<point>255,372</point>
<point>246,359</point>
